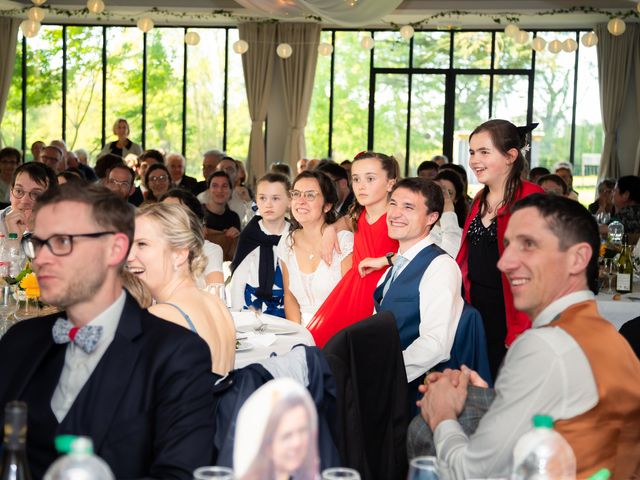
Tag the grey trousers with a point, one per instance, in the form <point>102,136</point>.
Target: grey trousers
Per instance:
<point>420,437</point>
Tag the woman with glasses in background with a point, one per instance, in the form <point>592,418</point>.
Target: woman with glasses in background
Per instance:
<point>158,181</point>
<point>307,279</point>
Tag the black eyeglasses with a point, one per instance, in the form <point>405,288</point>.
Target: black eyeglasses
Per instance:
<point>59,245</point>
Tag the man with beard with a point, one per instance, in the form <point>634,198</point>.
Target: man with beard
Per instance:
<point>104,368</point>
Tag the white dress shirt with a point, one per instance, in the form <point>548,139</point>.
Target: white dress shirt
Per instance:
<point>79,365</point>
<point>447,234</point>
<point>545,371</point>
<point>441,305</point>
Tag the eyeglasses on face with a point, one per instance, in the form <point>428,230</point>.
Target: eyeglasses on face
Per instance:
<point>59,245</point>
<point>121,184</point>
<point>21,192</point>
<point>308,195</point>
<point>158,178</point>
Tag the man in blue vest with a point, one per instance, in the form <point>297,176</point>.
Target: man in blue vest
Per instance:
<point>423,287</point>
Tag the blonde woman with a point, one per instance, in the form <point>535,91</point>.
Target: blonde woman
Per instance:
<point>167,256</point>
<point>122,146</point>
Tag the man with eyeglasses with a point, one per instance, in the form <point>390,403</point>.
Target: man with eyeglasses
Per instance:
<point>29,181</point>
<point>120,180</point>
<point>54,157</point>
<point>105,368</point>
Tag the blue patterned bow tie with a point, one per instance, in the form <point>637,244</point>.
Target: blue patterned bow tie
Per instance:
<point>85,337</point>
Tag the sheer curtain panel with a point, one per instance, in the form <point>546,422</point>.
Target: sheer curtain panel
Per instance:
<point>348,14</point>
<point>8,38</point>
<point>616,56</point>
<point>298,73</point>
<point>257,65</point>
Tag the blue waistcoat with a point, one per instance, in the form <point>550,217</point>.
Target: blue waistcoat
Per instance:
<point>403,296</point>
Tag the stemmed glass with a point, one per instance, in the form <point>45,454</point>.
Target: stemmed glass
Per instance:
<point>340,474</point>
<point>213,473</point>
<point>610,270</point>
<point>8,306</point>
<point>603,218</point>
<point>424,468</point>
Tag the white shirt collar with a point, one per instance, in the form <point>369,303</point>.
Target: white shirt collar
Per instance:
<point>558,306</point>
<point>285,228</point>
<point>417,247</point>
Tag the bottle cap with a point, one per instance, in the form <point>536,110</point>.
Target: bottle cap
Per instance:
<point>602,474</point>
<point>63,443</point>
<point>542,421</point>
<point>82,445</point>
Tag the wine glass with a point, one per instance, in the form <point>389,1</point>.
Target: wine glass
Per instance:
<point>213,473</point>
<point>603,218</point>
<point>340,474</point>
<point>217,289</point>
<point>611,270</point>
<point>8,306</point>
<point>424,468</point>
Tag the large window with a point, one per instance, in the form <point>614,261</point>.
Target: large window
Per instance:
<point>414,99</point>
<point>78,80</point>
<point>421,98</point>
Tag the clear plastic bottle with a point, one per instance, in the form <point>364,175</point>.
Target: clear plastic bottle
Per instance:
<point>80,463</point>
<point>543,454</point>
<point>4,257</point>
<point>16,258</point>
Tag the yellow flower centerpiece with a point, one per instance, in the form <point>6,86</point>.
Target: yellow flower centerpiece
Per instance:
<point>29,284</point>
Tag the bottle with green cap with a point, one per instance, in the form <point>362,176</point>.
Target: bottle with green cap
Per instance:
<point>602,474</point>
<point>542,453</point>
<point>79,463</point>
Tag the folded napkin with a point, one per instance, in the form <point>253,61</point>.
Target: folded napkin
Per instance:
<point>261,339</point>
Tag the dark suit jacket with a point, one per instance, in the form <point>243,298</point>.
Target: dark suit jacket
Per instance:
<point>188,183</point>
<point>148,405</point>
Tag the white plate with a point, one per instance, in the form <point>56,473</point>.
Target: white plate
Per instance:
<point>241,335</point>
<point>279,329</point>
<point>243,347</point>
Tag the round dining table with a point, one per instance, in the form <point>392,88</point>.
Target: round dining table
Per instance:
<point>260,335</point>
<point>619,309</point>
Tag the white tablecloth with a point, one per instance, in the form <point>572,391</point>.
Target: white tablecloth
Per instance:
<point>246,322</point>
<point>620,311</point>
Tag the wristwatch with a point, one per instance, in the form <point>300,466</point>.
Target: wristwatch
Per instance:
<point>389,257</point>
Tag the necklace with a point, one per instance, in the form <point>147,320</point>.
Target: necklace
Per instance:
<point>310,254</point>
<point>494,207</point>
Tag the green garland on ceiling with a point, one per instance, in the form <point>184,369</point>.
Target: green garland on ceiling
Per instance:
<point>159,14</point>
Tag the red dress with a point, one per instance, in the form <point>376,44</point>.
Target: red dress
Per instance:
<point>352,298</point>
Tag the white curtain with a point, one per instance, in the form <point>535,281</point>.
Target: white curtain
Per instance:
<point>298,74</point>
<point>616,56</point>
<point>8,38</point>
<point>363,12</point>
<point>257,65</point>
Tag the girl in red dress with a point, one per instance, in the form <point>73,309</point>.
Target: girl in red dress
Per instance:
<point>372,175</point>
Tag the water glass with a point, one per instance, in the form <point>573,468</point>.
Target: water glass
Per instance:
<point>603,218</point>
<point>27,308</point>
<point>217,289</point>
<point>8,301</point>
<point>215,473</point>
<point>340,473</point>
<point>424,468</point>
